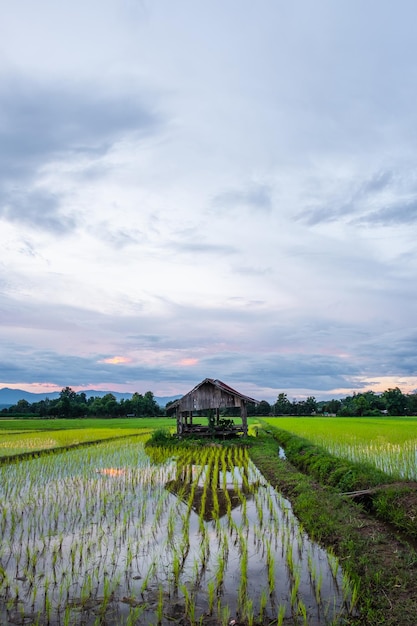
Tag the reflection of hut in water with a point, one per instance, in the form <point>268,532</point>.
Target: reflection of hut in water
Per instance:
<point>213,490</point>
<point>211,396</point>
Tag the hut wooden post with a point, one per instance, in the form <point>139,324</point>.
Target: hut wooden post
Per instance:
<point>244,417</point>
<point>179,421</point>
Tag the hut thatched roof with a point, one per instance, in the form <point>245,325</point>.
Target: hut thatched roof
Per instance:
<point>210,394</point>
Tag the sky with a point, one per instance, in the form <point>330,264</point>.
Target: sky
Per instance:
<point>208,189</point>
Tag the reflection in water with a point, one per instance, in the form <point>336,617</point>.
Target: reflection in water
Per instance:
<point>111,471</point>
<point>251,545</point>
<point>108,535</point>
<point>211,489</point>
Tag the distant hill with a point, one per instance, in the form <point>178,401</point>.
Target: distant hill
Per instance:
<point>8,397</point>
<point>163,400</point>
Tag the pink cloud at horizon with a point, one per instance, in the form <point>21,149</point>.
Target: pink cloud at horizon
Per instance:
<point>188,362</point>
<point>116,360</point>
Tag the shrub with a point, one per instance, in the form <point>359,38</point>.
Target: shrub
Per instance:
<point>161,436</point>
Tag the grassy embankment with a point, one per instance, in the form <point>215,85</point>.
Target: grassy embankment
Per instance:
<point>382,562</point>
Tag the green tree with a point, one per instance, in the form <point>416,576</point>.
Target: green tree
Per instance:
<point>361,405</point>
<point>282,406</point>
<point>126,407</point>
<point>395,401</point>
<point>332,406</point>
<point>96,406</point>
<point>263,408</point>
<point>110,406</point>
<point>305,407</point>
<point>150,406</point>
<point>41,408</point>
<point>145,405</point>
<point>311,405</point>
<point>66,402</point>
<point>69,393</point>
<point>137,404</point>
<point>412,404</point>
<point>23,406</point>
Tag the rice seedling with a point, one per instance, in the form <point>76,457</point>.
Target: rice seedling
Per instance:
<point>353,597</point>
<point>189,604</point>
<point>243,586</point>
<point>248,613</point>
<point>220,573</point>
<point>302,610</point>
<point>281,615</point>
<point>134,615</point>
<point>159,609</point>
<point>270,563</point>
<point>334,565</point>
<point>211,595</point>
<point>176,569</point>
<point>67,616</point>
<point>100,523</point>
<point>262,605</point>
<point>290,559</point>
<point>225,616</point>
<point>318,585</point>
<point>294,588</point>
<point>387,443</point>
<point>350,593</point>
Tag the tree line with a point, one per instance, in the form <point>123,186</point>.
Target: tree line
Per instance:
<point>367,403</point>
<point>72,404</point>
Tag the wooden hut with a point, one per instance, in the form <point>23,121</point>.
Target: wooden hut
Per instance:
<point>211,396</point>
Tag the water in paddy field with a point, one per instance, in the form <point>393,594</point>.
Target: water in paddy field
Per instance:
<point>109,535</point>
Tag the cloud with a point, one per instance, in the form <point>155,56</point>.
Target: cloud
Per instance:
<point>279,371</point>
<point>390,353</point>
<point>243,361</point>
<point>44,120</point>
<point>257,197</point>
<point>37,208</point>
<point>43,124</point>
<point>201,248</point>
<point>398,214</point>
<point>247,270</point>
<point>385,198</point>
<point>243,211</point>
<point>118,238</point>
<point>63,369</point>
<point>116,360</point>
<point>187,362</point>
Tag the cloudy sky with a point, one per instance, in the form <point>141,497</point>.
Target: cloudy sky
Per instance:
<point>208,189</point>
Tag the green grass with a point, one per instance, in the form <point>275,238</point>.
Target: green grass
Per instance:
<point>13,425</point>
<point>388,443</point>
<point>18,437</point>
<point>395,430</point>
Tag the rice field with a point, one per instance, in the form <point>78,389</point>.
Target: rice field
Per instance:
<point>19,437</point>
<point>388,443</point>
<point>114,535</point>
<point>47,424</point>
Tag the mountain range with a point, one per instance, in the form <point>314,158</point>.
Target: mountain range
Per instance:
<point>8,396</point>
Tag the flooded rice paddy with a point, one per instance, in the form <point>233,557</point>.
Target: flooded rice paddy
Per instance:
<point>115,534</point>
